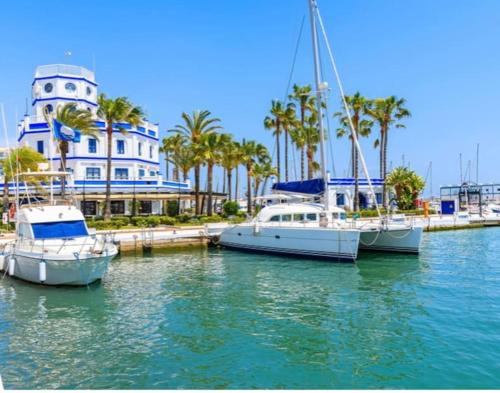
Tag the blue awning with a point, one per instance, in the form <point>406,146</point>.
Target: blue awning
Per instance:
<point>59,230</point>
<point>313,186</point>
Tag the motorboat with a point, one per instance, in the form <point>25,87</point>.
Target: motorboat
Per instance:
<point>53,245</point>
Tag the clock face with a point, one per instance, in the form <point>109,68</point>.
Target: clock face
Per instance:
<point>48,87</point>
<point>70,87</point>
<point>89,91</point>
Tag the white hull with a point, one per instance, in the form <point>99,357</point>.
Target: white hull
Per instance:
<point>60,271</point>
<point>326,243</point>
<point>403,240</point>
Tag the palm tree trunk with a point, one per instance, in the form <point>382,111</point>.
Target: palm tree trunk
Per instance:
<point>384,173</point>
<point>302,159</point>
<point>286,154</point>
<point>223,180</point>
<point>63,149</point>
<point>310,157</point>
<point>278,154</point>
<point>249,189</point>
<point>185,175</point>
<point>356,181</point>
<point>5,194</point>
<point>197,189</point>
<point>166,165</point>
<point>107,207</point>
<point>266,179</point>
<point>256,189</point>
<point>237,186</point>
<point>209,188</point>
<point>229,183</point>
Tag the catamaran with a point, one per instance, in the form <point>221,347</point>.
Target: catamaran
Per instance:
<point>320,229</point>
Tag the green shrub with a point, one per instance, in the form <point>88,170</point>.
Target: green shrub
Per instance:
<point>183,218</point>
<point>139,221</point>
<point>210,219</point>
<point>153,221</point>
<point>172,208</point>
<point>165,220</point>
<point>230,208</point>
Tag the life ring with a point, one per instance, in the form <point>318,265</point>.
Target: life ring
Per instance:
<point>215,240</point>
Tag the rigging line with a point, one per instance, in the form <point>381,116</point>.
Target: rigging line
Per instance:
<point>297,44</point>
<point>346,107</point>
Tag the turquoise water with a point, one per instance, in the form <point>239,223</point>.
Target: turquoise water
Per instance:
<point>221,319</point>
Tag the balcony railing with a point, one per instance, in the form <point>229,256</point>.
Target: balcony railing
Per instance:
<point>64,69</point>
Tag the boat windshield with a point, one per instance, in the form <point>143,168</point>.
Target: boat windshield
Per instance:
<point>59,230</point>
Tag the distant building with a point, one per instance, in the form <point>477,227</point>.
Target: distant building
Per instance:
<point>4,152</point>
<point>135,169</point>
<point>471,194</point>
<point>344,190</point>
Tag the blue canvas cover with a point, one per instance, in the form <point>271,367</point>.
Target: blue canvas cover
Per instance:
<point>313,186</point>
<point>59,230</point>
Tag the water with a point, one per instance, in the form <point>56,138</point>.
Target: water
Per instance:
<point>221,319</point>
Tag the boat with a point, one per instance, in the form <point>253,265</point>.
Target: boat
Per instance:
<point>52,243</point>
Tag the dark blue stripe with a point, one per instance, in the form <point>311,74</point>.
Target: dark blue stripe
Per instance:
<point>64,77</point>
<point>64,99</point>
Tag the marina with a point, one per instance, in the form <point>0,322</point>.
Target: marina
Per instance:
<point>183,319</point>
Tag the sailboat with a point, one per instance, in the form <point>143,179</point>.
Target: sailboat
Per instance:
<point>320,229</point>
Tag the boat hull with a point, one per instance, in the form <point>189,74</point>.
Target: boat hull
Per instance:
<point>61,271</point>
<point>318,243</point>
<point>399,240</point>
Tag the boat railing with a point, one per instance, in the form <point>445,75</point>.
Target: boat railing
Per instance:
<point>40,246</point>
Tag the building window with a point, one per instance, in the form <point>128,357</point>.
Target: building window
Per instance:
<point>89,91</point>
<point>93,173</point>
<point>89,208</point>
<point>120,146</point>
<point>92,145</point>
<point>39,147</point>
<point>117,207</point>
<point>49,108</point>
<point>121,173</point>
<point>141,173</point>
<point>152,173</point>
<point>146,207</point>
<point>70,87</point>
<point>48,87</point>
<point>140,148</point>
<point>340,200</point>
<point>150,151</point>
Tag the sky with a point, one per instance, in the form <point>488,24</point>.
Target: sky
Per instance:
<point>233,57</point>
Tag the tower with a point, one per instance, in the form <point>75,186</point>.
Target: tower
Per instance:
<point>57,84</point>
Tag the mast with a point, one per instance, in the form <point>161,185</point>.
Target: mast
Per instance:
<point>317,78</point>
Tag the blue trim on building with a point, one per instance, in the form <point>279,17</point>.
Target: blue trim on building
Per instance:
<point>105,158</point>
<point>63,99</point>
<point>47,130</point>
<point>64,77</point>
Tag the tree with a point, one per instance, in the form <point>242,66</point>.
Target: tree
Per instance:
<point>407,186</point>
<point>362,127</point>
<point>273,122</point>
<point>252,153</point>
<point>288,120</point>
<point>194,127</point>
<point>170,147</point>
<point>298,136</point>
<point>306,102</point>
<point>211,145</point>
<point>230,159</point>
<point>261,173</point>
<point>75,118</point>
<point>386,112</point>
<point>312,138</point>
<point>21,159</point>
<point>113,111</point>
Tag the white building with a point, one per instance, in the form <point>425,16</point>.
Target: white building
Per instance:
<point>135,158</point>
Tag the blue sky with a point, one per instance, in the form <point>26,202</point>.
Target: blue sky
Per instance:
<point>233,57</point>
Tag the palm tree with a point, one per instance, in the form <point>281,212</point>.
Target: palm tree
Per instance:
<point>22,159</point>
<point>298,136</point>
<point>183,159</point>
<point>386,112</point>
<point>273,122</point>
<point>312,138</point>
<point>230,159</point>
<point>262,172</point>
<point>75,118</point>
<point>170,146</point>
<point>362,127</point>
<point>288,121</point>
<point>193,128</point>
<point>306,102</point>
<point>252,153</point>
<point>113,111</point>
<point>210,151</point>
<point>407,186</point>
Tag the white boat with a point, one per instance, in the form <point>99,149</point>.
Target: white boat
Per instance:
<point>401,237</point>
<point>53,245</point>
<point>296,229</point>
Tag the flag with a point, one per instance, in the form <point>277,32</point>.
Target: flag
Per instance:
<point>65,133</point>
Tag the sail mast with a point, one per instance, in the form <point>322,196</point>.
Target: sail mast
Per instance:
<point>317,78</point>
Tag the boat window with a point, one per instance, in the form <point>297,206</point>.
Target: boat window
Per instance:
<point>24,231</point>
<point>311,217</point>
<point>342,216</point>
<point>335,216</point>
<point>59,230</point>
<point>298,217</point>
<point>274,218</point>
<point>286,218</point>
